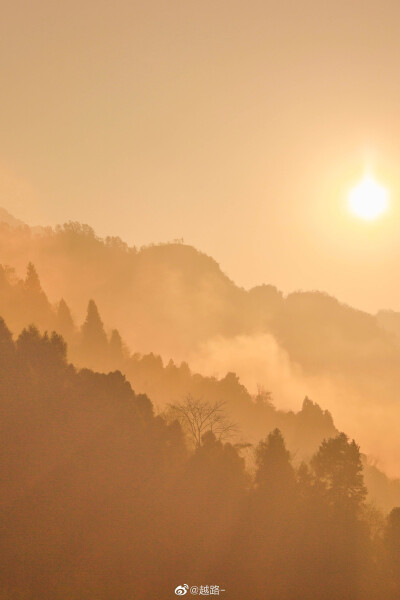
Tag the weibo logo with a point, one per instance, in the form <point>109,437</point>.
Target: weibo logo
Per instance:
<point>181,590</point>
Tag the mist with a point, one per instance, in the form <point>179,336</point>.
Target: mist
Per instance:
<point>260,361</point>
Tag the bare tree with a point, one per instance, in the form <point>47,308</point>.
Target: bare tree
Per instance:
<point>197,416</point>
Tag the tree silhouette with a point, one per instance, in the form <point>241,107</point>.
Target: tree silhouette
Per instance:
<point>198,417</point>
<point>32,281</point>
<point>90,473</point>
<point>392,544</point>
<point>94,344</point>
<point>338,466</point>
<point>118,350</point>
<point>37,306</point>
<point>7,359</point>
<point>6,341</point>
<point>64,322</point>
<point>274,471</point>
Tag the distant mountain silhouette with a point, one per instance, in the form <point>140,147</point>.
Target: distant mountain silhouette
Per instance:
<point>170,297</point>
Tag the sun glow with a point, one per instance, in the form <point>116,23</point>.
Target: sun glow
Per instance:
<point>368,200</point>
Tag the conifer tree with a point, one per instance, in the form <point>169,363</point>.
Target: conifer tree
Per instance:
<point>38,309</point>
<point>64,322</point>
<point>94,338</point>
<point>274,471</point>
<point>117,350</point>
<point>32,281</point>
<point>7,352</point>
<point>93,328</point>
<point>116,345</point>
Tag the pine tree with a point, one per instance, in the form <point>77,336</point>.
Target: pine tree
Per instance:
<point>274,471</point>
<point>116,344</point>
<point>64,322</point>
<point>7,352</point>
<point>38,309</point>
<point>117,349</point>
<point>32,281</point>
<point>94,339</point>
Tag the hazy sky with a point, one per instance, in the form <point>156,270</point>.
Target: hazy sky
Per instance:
<point>237,125</point>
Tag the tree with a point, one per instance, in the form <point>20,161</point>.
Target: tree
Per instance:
<point>6,341</point>
<point>7,358</point>
<point>64,321</point>
<point>337,464</point>
<point>42,352</point>
<point>198,417</point>
<point>94,339</point>
<point>274,471</point>
<point>32,281</point>
<point>210,497</point>
<point>37,309</point>
<point>117,348</point>
<point>94,350</point>
<point>392,544</point>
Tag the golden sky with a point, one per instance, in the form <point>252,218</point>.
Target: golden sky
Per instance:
<point>239,126</point>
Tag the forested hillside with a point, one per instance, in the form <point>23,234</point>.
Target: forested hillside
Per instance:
<point>91,344</point>
<point>172,301</point>
<point>99,494</point>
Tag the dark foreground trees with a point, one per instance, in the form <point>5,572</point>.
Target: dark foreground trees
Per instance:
<point>100,498</point>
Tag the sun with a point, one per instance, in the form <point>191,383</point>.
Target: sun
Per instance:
<point>368,199</point>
